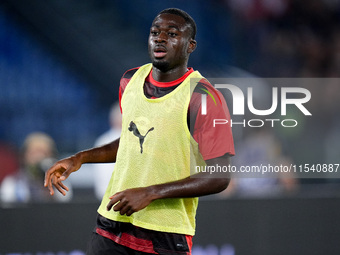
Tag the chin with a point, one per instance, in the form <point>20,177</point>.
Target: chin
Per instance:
<point>162,65</point>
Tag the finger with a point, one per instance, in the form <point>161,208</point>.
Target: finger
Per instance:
<point>115,195</point>
<point>63,185</point>
<point>50,188</point>
<point>50,185</point>
<point>114,199</point>
<point>67,173</point>
<point>130,212</point>
<point>56,184</point>
<point>60,187</point>
<point>125,210</point>
<point>121,207</point>
<point>49,175</point>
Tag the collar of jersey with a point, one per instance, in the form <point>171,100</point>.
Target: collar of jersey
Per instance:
<point>170,83</point>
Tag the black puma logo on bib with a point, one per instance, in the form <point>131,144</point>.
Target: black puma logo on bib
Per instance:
<point>133,128</point>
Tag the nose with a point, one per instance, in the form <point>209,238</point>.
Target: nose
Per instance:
<point>162,37</point>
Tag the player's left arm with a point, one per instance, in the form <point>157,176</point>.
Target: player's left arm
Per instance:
<point>201,184</point>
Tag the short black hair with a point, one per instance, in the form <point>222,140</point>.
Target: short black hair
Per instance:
<point>188,19</point>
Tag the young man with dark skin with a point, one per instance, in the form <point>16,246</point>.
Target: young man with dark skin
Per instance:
<point>139,193</point>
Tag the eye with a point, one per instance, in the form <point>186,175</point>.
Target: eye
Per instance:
<point>154,33</point>
<point>171,34</point>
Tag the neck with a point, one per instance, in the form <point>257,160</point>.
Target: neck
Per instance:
<point>169,75</point>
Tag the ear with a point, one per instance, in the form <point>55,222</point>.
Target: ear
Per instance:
<point>192,46</point>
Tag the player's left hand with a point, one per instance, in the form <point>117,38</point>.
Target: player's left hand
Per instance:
<point>130,200</point>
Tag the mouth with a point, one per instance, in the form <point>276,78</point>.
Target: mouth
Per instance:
<point>159,52</point>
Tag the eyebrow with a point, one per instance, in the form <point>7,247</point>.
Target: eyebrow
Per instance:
<point>170,26</point>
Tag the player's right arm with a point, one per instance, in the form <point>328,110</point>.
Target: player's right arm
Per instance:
<point>61,170</point>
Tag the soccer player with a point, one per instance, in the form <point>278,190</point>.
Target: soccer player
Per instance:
<point>150,204</point>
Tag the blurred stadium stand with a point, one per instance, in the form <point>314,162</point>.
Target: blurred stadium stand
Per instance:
<point>61,62</point>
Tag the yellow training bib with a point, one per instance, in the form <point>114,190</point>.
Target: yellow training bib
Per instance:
<point>155,147</point>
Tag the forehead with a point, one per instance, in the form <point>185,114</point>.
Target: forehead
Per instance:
<point>168,20</point>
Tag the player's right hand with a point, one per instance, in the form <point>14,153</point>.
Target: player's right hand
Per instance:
<point>59,172</point>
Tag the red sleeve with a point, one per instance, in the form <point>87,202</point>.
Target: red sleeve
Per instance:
<point>124,82</point>
<point>213,141</point>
